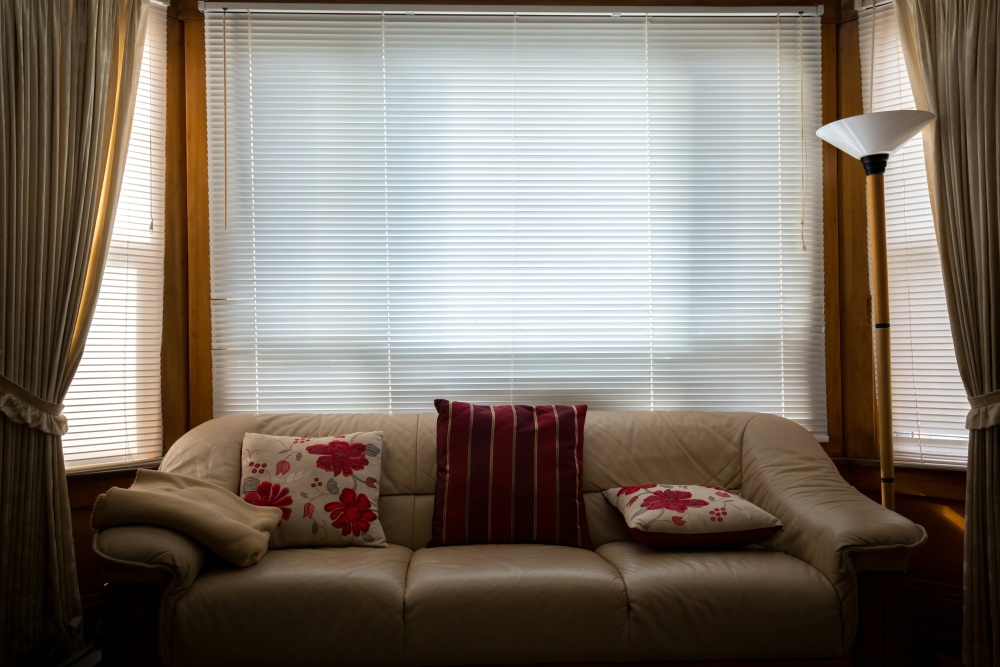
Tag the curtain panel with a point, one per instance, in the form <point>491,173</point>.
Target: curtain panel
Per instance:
<point>68,73</point>
<point>954,63</point>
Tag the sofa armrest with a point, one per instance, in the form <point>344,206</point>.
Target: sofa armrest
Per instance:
<point>148,555</point>
<point>827,522</point>
<point>147,569</point>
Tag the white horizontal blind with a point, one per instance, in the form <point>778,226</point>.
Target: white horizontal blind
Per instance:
<point>515,208</point>
<point>113,405</point>
<point>929,404</point>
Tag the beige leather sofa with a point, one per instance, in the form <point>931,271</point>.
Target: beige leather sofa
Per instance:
<point>795,596</point>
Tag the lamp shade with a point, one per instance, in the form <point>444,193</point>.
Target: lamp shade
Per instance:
<point>874,133</point>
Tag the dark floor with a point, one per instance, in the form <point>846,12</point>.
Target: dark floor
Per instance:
<point>93,659</point>
<point>920,657</point>
<point>940,648</point>
<point>88,660</point>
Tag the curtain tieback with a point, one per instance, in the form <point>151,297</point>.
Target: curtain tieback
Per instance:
<point>24,407</point>
<point>985,411</point>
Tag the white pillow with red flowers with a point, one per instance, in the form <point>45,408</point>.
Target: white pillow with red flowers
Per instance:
<point>327,487</point>
<point>690,516</point>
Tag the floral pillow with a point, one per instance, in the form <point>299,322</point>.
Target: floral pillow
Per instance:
<point>690,516</point>
<point>326,487</point>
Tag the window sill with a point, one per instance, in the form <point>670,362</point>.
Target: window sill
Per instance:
<point>112,468</point>
<point>948,484</point>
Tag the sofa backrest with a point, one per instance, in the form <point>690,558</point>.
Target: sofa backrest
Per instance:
<point>620,449</point>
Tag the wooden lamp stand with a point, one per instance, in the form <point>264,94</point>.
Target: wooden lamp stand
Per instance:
<point>875,168</point>
<point>871,137</point>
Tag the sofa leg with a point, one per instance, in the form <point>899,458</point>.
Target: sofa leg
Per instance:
<point>130,627</point>
<point>882,632</point>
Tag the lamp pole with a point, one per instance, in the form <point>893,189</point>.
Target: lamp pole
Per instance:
<point>871,137</point>
<point>875,170</point>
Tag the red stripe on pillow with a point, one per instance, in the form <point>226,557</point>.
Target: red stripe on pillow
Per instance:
<point>509,474</point>
<point>451,491</point>
<point>480,455</point>
<point>524,476</point>
<point>502,476</point>
<point>547,476</point>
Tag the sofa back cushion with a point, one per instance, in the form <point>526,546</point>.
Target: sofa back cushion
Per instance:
<point>620,449</point>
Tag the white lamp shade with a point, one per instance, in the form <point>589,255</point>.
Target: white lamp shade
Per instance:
<point>874,133</point>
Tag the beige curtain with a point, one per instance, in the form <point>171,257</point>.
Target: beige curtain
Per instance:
<point>954,63</point>
<point>68,74</point>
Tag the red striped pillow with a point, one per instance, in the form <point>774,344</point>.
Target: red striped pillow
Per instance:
<point>509,474</point>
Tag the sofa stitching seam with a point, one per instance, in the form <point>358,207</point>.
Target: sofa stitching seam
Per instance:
<point>628,606</point>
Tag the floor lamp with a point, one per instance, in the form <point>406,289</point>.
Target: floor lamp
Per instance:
<point>871,137</point>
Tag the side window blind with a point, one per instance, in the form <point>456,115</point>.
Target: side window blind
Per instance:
<point>623,211</point>
<point>929,404</point>
<point>113,405</point>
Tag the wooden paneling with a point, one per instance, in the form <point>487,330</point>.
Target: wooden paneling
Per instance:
<point>923,482</point>
<point>831,250</point>
<point>174,373</point>
<point>199,293</point>
<point>857,368</point>
<point>846,8</point>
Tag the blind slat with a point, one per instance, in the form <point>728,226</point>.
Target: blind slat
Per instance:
<point>113,405</point>
<point>503,209</point>
<point>928,399</point>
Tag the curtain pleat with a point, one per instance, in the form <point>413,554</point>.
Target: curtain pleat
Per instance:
<point>982,550</point>
<point>67,86</point>
<point>953,58</point>
<point>40,587</point>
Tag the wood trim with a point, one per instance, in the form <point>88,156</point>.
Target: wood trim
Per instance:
<point>847,12</point>
<point>831,250</point>
<point>857,367</point>
<point>174,359</point>
<point>199,291</point>
<point>921,482</point>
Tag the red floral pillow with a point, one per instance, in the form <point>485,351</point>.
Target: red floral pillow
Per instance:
<point>690,516</point>
<point>327,487</point>
<point>509,474</point>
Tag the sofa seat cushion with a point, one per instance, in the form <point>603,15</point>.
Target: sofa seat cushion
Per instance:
<point>303,606</point>
<point>514,604</point>
<point>746,604</point>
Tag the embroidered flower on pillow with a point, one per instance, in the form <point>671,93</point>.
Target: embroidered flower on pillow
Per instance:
<point>340,457</point>
<point>674,501</point>
<point>272,495</point>
<point>352,514</point>
<point>690,516</point>
<point>300,474</point>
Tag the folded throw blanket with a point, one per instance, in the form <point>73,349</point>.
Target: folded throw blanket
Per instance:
<point>219,519</point>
